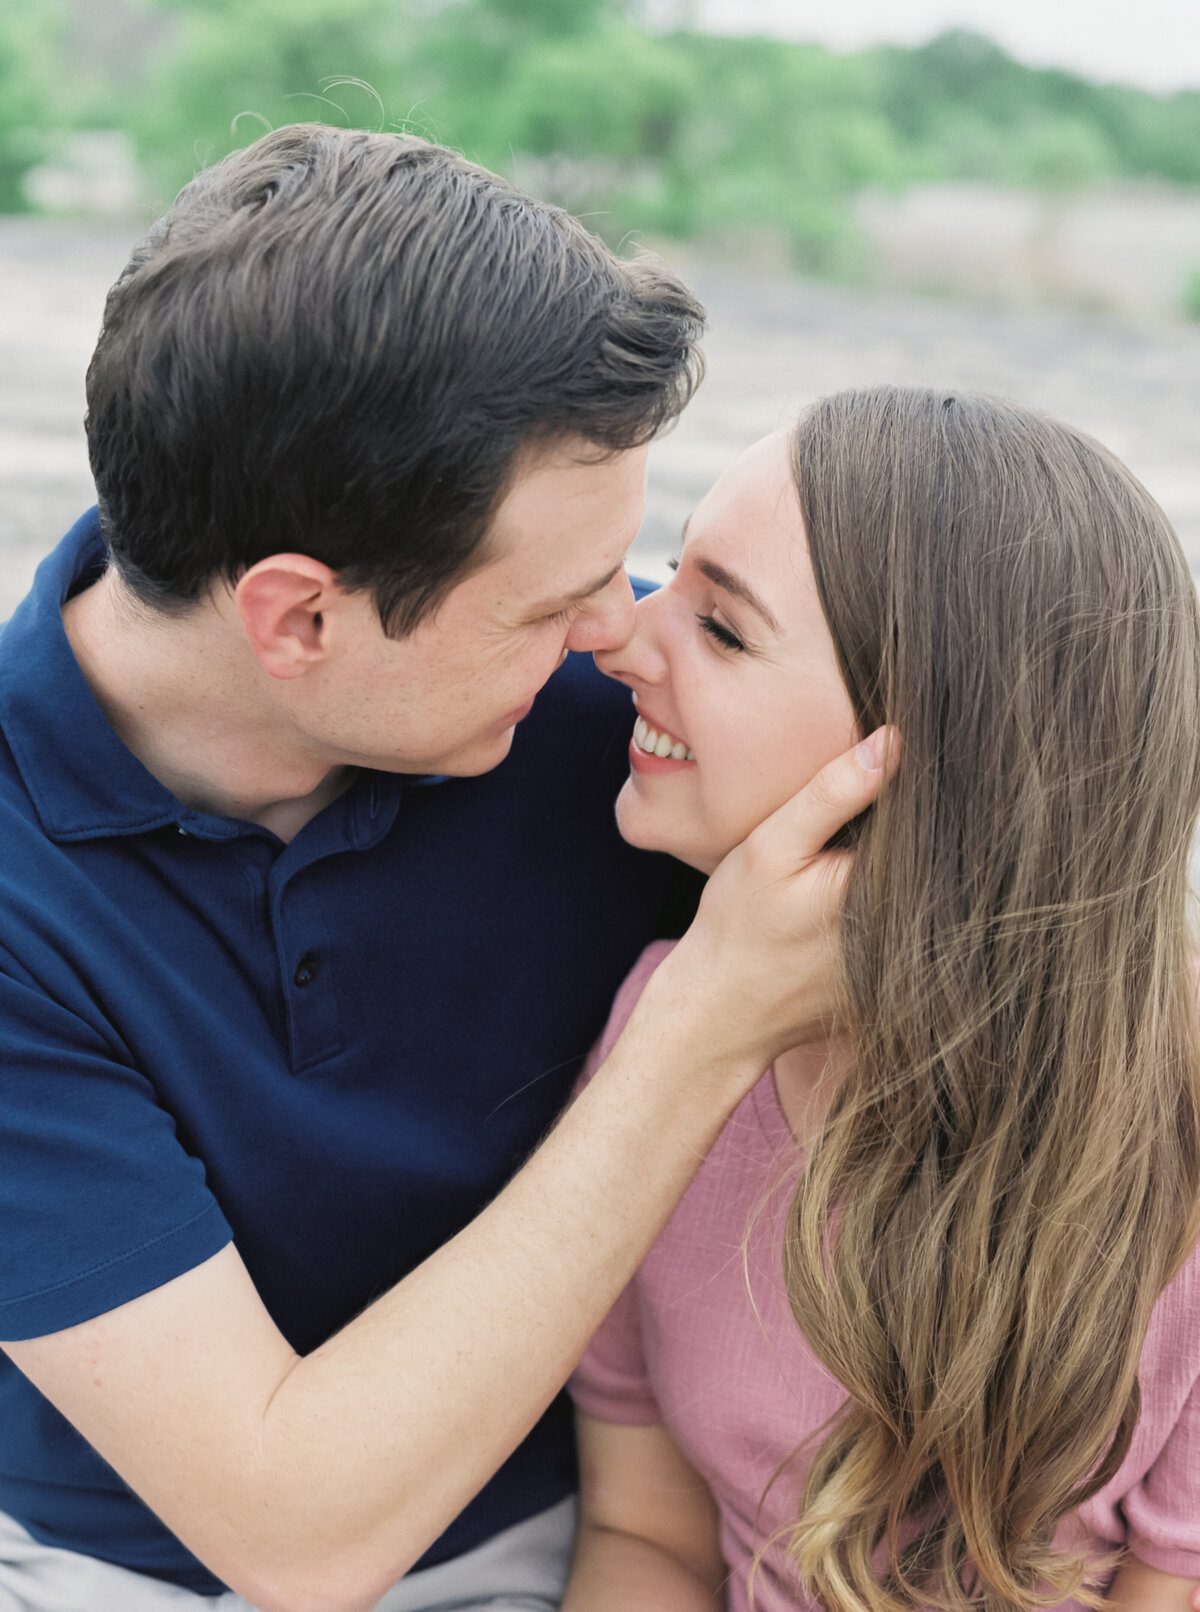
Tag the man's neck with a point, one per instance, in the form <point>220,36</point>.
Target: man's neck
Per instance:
<point>188,698</point>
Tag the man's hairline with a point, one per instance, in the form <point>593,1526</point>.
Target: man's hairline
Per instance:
<point>539,447</point>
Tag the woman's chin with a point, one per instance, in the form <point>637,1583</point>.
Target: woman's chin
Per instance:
<point>648,832</point>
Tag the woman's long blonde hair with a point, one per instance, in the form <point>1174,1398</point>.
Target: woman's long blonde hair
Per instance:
<point>1009,1175</point>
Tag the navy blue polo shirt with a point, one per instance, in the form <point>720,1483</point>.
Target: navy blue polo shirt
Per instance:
<point>333,1051</point>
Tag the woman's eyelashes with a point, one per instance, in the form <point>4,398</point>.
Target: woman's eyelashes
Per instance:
<point>720,633</point>
<point>715,629</point>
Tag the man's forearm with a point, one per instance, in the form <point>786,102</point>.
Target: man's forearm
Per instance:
<point>315,1482</point>
<point>477,1350</point>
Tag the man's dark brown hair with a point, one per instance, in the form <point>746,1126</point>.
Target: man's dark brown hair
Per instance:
<point>337,344</point>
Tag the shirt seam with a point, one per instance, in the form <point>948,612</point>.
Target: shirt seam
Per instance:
<point>108,1264</point>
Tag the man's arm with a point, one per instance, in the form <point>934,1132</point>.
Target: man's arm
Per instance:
<point>647,1527</point>
<point>314,1483</point>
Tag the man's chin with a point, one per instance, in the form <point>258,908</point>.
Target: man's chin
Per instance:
<point>470,760</point>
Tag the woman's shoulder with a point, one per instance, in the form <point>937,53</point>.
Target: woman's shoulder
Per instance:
<point>1170,1360</point>
<point>1180,1298</point>
<point>635,983</point>
<point>624,1003</point>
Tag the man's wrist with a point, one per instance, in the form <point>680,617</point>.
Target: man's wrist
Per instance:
<point>685,1045</point>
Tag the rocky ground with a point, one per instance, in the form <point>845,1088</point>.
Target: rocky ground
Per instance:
<point>773,344</point>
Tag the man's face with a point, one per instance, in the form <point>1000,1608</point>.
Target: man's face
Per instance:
<point>445,698</point>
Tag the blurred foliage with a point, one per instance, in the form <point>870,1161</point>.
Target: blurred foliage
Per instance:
<point>1191,295</point>
<point>32,105</point>
<point>679,133</point>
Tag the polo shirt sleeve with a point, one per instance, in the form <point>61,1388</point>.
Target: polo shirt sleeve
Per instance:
<point>99,1200</point>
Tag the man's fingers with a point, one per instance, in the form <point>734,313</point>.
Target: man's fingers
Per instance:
<point>842,789</point>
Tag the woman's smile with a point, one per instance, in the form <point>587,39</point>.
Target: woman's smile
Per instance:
<point>657,741</point>
<point>734,675</point>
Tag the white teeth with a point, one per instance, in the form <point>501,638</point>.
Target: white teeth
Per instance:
<point>659,744</point>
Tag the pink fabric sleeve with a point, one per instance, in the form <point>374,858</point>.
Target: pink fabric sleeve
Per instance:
<point>611,1382</point>
<point>1163,1511</point>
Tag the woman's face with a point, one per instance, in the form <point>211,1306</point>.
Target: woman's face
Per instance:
<point>733,669</point>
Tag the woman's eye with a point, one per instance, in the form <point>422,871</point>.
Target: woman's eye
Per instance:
<point>559,615</point>
<point>719,633</point>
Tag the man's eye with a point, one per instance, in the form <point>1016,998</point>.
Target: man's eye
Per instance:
<point>673,563</point>
<point>720,633</point>
<point>558,615</point>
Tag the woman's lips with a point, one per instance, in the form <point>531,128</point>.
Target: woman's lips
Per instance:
<point>639,761</point>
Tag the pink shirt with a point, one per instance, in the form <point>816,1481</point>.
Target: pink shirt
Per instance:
<point>703,1341</point>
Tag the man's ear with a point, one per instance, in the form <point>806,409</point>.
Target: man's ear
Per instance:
<point>282,602</point>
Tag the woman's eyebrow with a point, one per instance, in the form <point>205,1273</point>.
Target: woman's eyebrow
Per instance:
<point>740,590</point>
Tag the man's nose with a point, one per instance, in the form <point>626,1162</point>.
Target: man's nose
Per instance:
<point>639,658</point>
<point>607,620</point>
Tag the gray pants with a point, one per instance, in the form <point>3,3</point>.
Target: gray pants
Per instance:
<point>523,1569</point>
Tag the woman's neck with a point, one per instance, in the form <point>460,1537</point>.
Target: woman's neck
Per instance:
<point>805,1080</point>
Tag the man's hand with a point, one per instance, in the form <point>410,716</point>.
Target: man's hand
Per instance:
<point>757,972</point>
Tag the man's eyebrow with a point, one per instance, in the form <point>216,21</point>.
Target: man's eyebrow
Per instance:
<point>739,589</point>
<point>561,600</point>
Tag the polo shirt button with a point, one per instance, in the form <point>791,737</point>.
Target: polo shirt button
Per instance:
<point>306,970</point>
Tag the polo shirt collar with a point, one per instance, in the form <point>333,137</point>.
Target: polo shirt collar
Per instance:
<point>83,782</point>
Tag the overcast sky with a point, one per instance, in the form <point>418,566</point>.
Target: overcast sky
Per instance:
<point>1155,43</point>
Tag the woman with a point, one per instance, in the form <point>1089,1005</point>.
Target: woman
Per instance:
<point>992,1223</point>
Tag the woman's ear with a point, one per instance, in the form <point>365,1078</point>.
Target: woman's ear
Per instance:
<point>281,602</point>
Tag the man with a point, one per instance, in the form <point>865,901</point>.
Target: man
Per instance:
<point>303,943</point>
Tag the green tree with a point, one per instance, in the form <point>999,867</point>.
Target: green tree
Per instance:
<point>1060,154</point>
<point>235,69</point>
<point>675,133</point>
<point>614,93</point>
<point>550,18</point>
<point>32,101</point>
